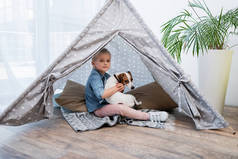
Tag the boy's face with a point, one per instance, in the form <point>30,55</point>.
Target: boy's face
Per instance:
<point>102,63</point>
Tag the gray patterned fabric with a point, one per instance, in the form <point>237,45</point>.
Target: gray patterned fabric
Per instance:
<point>83,121</point>
<point>116,19</point>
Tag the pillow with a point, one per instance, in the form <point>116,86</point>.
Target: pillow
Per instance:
<point>72,97</point>
<point>153,96</point>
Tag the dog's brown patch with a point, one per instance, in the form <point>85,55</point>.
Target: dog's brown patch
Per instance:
<point>123,78</point>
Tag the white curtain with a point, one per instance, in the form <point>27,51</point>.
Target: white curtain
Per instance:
<point>32,34</point>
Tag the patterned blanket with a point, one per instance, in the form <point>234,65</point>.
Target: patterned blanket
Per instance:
<point>83,121</point>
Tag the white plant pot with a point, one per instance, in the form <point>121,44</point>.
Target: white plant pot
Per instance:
<point>214,69</point>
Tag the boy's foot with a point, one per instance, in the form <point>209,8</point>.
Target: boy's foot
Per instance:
<point>158,116</point>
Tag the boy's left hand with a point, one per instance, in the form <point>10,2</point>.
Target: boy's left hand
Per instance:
<point>120,87</point>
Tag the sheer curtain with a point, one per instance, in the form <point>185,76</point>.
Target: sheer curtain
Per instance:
<point>32,34</point>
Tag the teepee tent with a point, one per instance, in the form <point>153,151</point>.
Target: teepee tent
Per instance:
<point>116,21</point>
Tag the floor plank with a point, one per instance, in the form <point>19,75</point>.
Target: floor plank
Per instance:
<point>54,139</point>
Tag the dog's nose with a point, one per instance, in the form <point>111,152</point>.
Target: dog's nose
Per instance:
<point>132,87</point>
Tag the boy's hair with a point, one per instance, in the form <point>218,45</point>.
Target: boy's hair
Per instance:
<point>102,51</point>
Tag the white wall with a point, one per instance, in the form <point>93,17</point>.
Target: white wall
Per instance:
<point>156,12</point>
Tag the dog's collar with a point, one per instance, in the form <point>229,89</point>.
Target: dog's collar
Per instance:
<point>117,79</point>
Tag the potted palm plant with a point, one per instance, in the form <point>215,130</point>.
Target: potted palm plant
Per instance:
<point>198,31</point>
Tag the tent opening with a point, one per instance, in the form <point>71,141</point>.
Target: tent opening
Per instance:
<point>124,57</point>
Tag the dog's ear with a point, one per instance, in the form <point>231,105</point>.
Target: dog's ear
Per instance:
<point>130,75</point>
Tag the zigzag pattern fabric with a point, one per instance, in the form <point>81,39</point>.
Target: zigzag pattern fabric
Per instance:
<point>84,121</point>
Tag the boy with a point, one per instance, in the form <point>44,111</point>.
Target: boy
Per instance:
<point>95,94</point>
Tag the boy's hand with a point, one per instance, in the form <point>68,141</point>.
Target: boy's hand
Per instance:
<point>110,91</point>
<point>120,87</point>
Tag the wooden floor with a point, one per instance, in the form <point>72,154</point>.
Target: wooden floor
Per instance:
<point>54,139</point>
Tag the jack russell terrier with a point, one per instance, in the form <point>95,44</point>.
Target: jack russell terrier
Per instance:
<point>126,79</point>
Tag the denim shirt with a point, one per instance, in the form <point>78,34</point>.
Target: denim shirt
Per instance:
<point>94,90</point>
